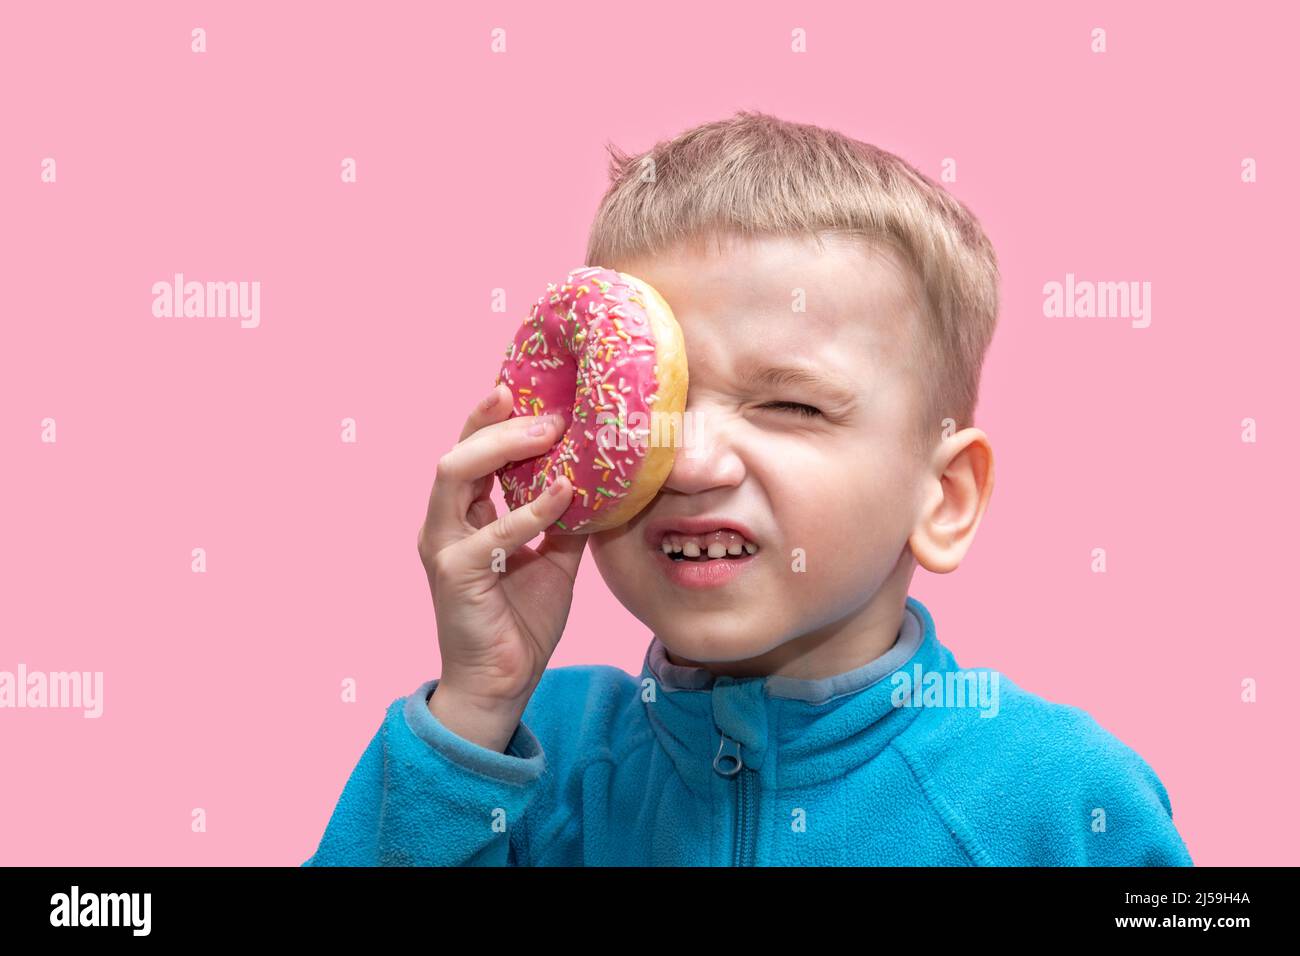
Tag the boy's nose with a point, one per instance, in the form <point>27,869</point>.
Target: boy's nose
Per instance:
<point>704,457</point>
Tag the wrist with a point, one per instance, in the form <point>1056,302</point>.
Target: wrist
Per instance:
<point>489,724</point>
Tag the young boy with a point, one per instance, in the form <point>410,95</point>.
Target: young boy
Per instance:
<point>795,705</point>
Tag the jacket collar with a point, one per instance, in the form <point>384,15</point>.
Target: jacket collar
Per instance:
<point>794,731</point>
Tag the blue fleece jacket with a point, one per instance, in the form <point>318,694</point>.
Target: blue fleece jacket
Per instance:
<point>905,761</point>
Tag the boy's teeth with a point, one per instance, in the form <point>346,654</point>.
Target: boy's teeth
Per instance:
<point>711,546</point>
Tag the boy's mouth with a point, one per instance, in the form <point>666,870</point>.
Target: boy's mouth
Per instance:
<point>703,552</point>
<point>701,539</point>
<point>718,545</point>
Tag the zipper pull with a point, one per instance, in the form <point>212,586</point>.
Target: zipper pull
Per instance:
<point>727,760</point>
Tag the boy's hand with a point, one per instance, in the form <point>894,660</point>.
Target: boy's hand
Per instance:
<point>497,628</point>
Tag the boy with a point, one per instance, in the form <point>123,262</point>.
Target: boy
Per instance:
<point>795,706</point>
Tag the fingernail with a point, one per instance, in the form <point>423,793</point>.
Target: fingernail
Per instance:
<point>489,401</point>
<point>555,488</point>
<point>537,427</point>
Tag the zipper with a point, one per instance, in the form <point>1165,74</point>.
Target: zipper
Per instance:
<point>728,763</point>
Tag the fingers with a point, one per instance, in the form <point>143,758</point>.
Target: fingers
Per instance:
<point>465,473</point>
<point>564,550</point>
<point>514,529</point>
<point>494,409</point>
<point>497,407</point>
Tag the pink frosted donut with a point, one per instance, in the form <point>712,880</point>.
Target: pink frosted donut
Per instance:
<point>603,349</point>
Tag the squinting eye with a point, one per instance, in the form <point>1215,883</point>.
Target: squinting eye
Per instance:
<point>797,407</point>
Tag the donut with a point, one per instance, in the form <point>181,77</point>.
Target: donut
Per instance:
<point>604,350</point>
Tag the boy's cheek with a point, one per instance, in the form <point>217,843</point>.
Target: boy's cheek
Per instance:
<point>619,565</point>
<point>612,550</point>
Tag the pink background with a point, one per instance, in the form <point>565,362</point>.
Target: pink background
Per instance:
<point>479,170</point>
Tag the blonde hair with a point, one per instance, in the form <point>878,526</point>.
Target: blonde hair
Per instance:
<point>754,174</point>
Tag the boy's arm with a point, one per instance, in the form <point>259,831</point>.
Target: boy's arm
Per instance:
<point>1100,802</point>
<point>1133,807</point>
<point>423,796</point>
<point>1043,784</point>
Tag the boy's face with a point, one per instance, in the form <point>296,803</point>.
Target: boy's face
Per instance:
<point>830,499</point>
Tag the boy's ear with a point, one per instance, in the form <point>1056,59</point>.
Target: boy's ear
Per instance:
<point>957,489</point>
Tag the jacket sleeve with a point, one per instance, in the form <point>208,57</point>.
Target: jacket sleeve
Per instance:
<point>1099,803</point>
<point>1131,821</point>
<point>1043,784</point>
<point>423,796</point>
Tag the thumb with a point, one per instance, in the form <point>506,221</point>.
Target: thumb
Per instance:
<point>516,528</point>
<point>564,550</point>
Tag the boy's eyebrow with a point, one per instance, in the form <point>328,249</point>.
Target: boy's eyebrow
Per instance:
<point>775,376</point>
